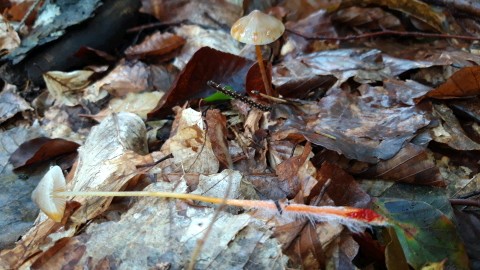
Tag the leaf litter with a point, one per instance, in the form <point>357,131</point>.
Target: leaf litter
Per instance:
<point>362,122</point>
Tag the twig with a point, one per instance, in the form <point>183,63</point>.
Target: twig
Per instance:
<point>381,33</point>
<point>465,202</point>
<point>29,12</point>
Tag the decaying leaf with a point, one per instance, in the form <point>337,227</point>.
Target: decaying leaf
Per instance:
<point>127,77</point>
<point>9,38</point>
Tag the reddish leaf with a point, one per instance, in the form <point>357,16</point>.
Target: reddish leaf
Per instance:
<point>217,132</point>
<point>463,83</point>
<point>411,165</point>
<point>206,64</point>
<point>254,81</point>
<point>41,149</point>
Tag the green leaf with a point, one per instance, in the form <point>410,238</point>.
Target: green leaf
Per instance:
<point>219,96</point>
<point>425,233</point>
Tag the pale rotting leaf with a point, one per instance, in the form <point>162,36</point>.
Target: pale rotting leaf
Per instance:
<point>9,38</point>
<point>67,87</point>
<point>138,103</point>
<point>191,147</point>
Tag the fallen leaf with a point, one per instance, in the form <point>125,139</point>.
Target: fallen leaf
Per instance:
<point>425,233</point>
<point>468,223</point>
<point>362,129</point>
<point>343,189</point>
<point>9,38</point>
<point>138,103</point>
<point>450,131</point>
<point>67,87</point>
<point>206,64</point>
<point>156,45</point>
<point>11,105</point>
<point>217,132</point>
<point>191,147</point>
<point>41,149</point>
<point>367,18</point>
<point>463,83</point>
<point>126,77</point>
<point>411,164</point>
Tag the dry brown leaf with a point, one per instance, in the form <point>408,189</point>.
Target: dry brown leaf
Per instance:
<point>463,83</point>
<point>217,132</point>
<point>157,44</point>
<point>191,147</point>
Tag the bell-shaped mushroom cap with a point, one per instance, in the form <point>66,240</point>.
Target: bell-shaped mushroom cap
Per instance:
<point>257,28</point>
<point>43,196</point>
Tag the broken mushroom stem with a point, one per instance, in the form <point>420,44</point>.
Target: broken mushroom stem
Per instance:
<point>51,197</point>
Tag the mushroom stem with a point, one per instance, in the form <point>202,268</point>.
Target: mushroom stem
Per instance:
<point>268,89</point>
<point>343,213</point>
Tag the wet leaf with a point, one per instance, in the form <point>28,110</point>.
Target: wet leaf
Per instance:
<point>394,256</point>
<point>206,64</point>
<point>363,130</point>
<point>425,233</point>
<point>41,149</point>
<point>411,164</point>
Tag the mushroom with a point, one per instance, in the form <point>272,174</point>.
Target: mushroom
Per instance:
<point>258,28</point>
<point>51,197</point>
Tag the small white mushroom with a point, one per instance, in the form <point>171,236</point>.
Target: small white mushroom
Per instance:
<point>43,195</point>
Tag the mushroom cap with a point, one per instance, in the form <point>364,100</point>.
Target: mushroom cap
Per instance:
<point>257,28</point>
<point>43,196</point>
